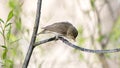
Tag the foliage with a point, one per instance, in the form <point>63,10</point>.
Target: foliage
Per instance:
<point>5,33</point>
<point>10,45</point>
<point>16,6</point>
<point>92,4</point>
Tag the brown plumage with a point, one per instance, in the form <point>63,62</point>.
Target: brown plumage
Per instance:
<point>63,28</point>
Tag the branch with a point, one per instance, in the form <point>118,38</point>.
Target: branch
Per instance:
<point>36,25</point>
<point>77,47</point>
<point>44,41</point>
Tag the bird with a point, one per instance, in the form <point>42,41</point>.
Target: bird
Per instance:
<point>64,28</point>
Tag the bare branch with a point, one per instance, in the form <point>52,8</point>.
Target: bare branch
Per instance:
<point>36,25</point>
<point>77,47</point>
<point>88,50</point>
<point>44,41</point>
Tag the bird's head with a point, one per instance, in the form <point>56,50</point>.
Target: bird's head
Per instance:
<point>72,33</point>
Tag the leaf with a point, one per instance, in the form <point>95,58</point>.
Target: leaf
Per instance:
<point>9,63</point>
<point>8,24</point>
<point>4,55</point>
<point>12,3</point>
<point>1,20</point>
<point>92,3</point>
<point>10,15</point>
<point>12,37</point>
<point>3,46</point>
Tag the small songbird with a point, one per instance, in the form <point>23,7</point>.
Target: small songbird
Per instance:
<point>62,28</point>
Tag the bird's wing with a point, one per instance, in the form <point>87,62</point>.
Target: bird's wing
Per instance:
<point>57,27</point>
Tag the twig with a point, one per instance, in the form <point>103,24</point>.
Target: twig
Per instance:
<point>88,50</point>
<point>77,47</point>
<point>36,25</point>
<point>44,41</point>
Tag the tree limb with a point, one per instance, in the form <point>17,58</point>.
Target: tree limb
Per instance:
<point>77,47</point>
<point>45,41</point>
<point>36,25</point>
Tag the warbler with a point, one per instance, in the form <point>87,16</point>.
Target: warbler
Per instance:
<point>65,29</point>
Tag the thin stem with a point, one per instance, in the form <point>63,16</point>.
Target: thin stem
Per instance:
<point>77,46</point>
<point>3,33</point>
<point>36,25</point>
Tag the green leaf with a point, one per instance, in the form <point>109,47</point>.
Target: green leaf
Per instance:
<point>12,3</point>
<point>3,46</point>
<point>92,3</point>
<point>9,63</point>
<point>10,15</point>
<point>12,37</point>
<point>1,20</point>
<point>8,24</point>
<point>4,55</point>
